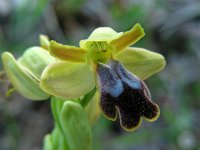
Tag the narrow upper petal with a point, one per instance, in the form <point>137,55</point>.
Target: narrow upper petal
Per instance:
<point>44,42</point>
<point>128,38</point>
<point>67,80</point>
<point>141,62</point>
<point>67,53</point>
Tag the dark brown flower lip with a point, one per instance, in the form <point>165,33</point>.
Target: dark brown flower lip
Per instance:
<point>125,95</point>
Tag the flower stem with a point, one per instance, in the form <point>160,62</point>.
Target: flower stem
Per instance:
<point>56,106</point>
<point>86,99</point>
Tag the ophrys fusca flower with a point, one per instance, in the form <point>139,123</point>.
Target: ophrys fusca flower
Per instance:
<point>101,61</point>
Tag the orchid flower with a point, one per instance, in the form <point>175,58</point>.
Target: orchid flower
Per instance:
<point>105,60</point>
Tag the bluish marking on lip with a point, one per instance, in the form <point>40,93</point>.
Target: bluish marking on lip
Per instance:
<point>109,81</point>
<point>124,75</point>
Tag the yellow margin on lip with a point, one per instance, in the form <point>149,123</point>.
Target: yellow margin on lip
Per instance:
<point>154,118</point>
<point>129,129</point>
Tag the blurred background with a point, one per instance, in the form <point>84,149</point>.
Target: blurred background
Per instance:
<point>172,28</point>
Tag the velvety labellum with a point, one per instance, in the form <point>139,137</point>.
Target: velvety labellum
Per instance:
<point>112,83</point>
<point>133,100</point>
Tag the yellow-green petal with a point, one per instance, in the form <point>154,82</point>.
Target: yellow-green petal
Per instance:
<point>21,79</point>
<point>67,80</point>
<point>128,38</point>
<point>67,53</point>
<point>35,59</point>
<point>76,126</point>
<point>141,62</point>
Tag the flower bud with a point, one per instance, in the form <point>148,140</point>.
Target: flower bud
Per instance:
<point>24,74</point>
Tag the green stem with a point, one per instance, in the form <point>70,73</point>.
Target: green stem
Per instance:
<point>86,99</point>
<point>56,106</point>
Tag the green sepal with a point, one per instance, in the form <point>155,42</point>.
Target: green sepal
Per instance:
<point>141,62</point>
<point>105,34</point>
<point>67,80</point>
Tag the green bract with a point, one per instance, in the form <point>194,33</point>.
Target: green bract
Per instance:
<point>76,126</point>
<point>72,129</point>
<point>76,75</point>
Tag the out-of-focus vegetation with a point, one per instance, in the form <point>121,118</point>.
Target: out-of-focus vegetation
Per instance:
<point>172,28</point>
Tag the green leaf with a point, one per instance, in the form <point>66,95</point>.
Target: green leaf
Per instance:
<point>23,81</point>
<point>67,80</point>
<point>76,126</point>
<point>141,62</point>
